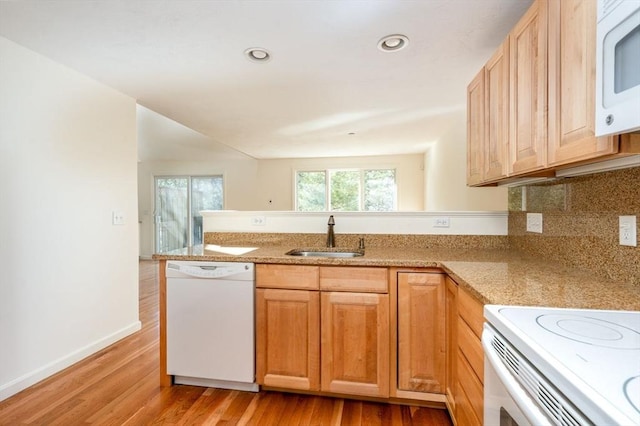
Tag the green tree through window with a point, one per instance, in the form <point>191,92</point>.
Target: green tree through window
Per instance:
<point>346,190</point>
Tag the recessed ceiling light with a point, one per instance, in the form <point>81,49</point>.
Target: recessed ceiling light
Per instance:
<point>393,43</point>
<point>257,54</point>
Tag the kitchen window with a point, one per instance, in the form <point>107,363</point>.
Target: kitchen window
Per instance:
<point>346,190</point>
<point>178,202</point>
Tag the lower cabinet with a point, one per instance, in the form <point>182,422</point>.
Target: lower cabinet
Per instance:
<point>355,343</point>
<point>452,343</point>
<point>287,338</point>
<point>470,363</point>
<point>421,332</point>
<point>334,338</point>
<point>410,334</point>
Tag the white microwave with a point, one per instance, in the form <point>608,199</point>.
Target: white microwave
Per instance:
<point>618,67</point>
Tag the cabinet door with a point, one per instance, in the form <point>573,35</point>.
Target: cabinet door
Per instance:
<point>421,332</point>
<point>572,65</point>
<point>496,140</point>
<point>287,338</point>
<point>355,343</point>
<point>452,343</point>
<point>475,129</point>
<point>528,91</point>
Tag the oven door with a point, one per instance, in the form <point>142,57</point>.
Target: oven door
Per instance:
<point>506,403</point>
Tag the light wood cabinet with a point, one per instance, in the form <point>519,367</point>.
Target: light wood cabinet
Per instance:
<point>475,129</point>
<point>470,360</point>
<point>496,141</point>
<point>287,338</point>
<point>528,91</point>
<point>355,343</point>
<point>451,298</point>
<point>323,328</point>
<point>572,65</point>
<point>352,278</point>
<point>421,332</point>
<point>488,120</point>
<point>548,77</point>
<point>301,277</point>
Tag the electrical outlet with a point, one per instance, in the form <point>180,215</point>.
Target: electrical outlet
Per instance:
<point>534,222</point>
<point>628,233</point>
<point>117,217</point>
<point>441,222</point>
<point>258,221</point>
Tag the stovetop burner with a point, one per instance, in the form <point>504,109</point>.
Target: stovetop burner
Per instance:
<point>592,331</point>
<point>632,390</point>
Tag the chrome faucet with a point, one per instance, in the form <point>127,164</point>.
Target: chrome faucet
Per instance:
<point>331,238</point>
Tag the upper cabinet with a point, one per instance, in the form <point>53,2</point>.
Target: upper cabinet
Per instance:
<point>572,69</point>
<point>475,129</point>
<point>538,113</point>
<point>496,143</point>
<point>528,96</point>
<point>488,120</point>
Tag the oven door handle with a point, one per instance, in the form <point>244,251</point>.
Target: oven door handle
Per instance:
<point>522,399</point>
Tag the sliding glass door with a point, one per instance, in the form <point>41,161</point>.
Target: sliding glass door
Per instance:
<point>178,202</point>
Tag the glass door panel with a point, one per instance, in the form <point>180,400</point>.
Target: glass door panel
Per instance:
<point>171,213</point>
<point>206,194</point>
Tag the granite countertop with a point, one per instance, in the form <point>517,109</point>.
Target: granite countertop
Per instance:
<point>494,276</point>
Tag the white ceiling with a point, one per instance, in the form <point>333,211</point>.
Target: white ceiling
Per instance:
<point>184,59</point>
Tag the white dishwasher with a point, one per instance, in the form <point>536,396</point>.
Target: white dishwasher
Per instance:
<point>210,324</point>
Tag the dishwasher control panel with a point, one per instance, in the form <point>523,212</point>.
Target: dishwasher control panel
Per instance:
<point>227,270</point>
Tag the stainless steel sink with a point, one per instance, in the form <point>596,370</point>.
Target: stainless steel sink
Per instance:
<point>322,252</point>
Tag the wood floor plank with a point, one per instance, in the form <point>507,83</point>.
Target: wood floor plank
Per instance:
<point>200,412</point>
<point>233,414</point>
<point>351,413</point>
<point>372,413</point>
<point>119,386</point>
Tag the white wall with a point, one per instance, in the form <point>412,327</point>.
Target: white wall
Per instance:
<point>69,282</point>
<point>161,141</point>
<point>446,177</point>
<point>408,223</point>
<point>275,178</point>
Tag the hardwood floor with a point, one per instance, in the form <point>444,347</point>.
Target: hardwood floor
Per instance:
<point>119,386</point>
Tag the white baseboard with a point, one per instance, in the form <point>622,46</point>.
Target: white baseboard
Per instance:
<point>33,377</point>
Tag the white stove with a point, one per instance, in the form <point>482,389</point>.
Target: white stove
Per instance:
<point>576,366</point>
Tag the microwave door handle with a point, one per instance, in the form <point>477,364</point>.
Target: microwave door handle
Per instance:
<point>519,395</point>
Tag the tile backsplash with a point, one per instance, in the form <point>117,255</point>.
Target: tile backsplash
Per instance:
<point>580,222</point>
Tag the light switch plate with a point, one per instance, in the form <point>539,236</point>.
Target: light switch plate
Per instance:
<point>117,217</point>
<point>628,231</point>
<point>534,222</point>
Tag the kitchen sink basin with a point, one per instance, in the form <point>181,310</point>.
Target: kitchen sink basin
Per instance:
<point>325,252</point>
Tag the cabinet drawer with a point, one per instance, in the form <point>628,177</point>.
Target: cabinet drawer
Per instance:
<point>348,278</point>
<point>471,311</point>
<point>471,347</point>
<point>469,388</point>
<point>464,414</point>
<point>301,277</point>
